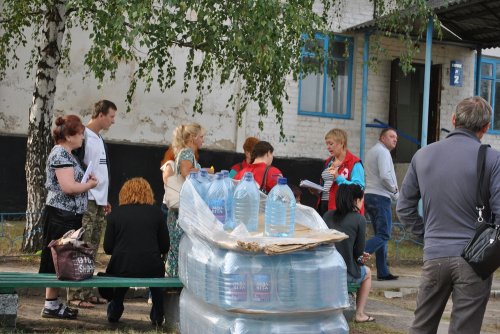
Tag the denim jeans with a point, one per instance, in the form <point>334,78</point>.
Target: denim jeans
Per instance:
<point>379,209</point>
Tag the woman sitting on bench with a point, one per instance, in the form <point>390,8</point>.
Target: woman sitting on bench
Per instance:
<point>137,239</point>
<point>346,218</point>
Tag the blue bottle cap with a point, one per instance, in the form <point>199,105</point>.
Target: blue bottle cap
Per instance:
<point>248,176</point>
<point>203,173</point>
<point>282,180</point>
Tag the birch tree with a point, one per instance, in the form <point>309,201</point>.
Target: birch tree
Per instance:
<point>254,42</point>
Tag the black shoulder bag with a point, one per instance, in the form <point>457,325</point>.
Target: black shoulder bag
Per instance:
<point>482,252</point>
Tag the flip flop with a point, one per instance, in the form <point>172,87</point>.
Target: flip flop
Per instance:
<point>97,300</point>
<point>80,304</point>
<point>369,319</point>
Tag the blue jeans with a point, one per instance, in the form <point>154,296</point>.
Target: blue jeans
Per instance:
<point>379,209</point>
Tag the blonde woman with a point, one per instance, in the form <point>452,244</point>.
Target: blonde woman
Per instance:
<point>186,142</point>
<point>137,240</point>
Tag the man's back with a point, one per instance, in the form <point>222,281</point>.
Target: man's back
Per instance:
<point>446,175</point>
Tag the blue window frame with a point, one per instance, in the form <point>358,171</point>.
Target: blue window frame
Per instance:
<point>490,89</point>
<point>319,95</point>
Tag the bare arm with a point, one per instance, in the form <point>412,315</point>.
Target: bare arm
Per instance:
<point>167,172</point>
<point>186,166</point>
<point>65,177</point>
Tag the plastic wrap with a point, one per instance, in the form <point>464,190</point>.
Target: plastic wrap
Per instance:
<point>195,218</point>
<point>198,317</point>
<point>247,282</point>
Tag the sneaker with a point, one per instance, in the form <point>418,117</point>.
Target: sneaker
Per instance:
<point>63,312</point>
<point>389,277</point>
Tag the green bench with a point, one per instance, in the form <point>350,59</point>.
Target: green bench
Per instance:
<point>9,281</point>
<point>350,311</point>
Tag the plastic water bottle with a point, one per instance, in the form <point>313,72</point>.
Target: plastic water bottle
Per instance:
<point>246,203</point>
<point>229,225</point>
<point>195,181</point>
<point>205,182</point>
<point>280,211</point>
<point>217,196</point>
<point>233,280</point>
<point>262,283</point>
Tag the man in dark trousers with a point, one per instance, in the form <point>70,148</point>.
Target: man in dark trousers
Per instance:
<point>444,175</point>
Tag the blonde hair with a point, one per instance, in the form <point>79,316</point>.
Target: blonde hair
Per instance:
<point>136,191</point>
<point>184,133</point>
<point>337,135</point>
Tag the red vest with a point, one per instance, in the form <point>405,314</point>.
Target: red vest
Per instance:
<point>345,169</point>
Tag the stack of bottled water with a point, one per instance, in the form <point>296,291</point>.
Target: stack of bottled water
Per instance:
<point>197,317</point>
<point>311,280</point>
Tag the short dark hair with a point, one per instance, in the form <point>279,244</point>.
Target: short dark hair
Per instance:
<point>345,197</point>
<point>102,107</point>
<point>68,125</point>
<point>385,130</point>
<point>260,149</point>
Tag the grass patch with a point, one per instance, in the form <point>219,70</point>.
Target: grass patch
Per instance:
<point>371,328</point>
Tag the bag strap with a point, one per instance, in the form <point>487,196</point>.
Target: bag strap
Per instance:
<point>481,162</point>
<point>264,180</point>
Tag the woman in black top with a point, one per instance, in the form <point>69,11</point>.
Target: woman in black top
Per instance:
<point>346,218</point>
<point>137,239</point>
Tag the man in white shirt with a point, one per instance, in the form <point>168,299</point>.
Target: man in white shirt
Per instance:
<point>98,206</point>
<point>381,189</point>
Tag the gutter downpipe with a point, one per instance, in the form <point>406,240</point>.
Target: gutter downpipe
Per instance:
<point>427,80</point>
<point>477,89</point>
<point>364,96</point>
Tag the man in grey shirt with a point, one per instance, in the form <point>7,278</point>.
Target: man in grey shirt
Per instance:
<point>444,175</point>
<point>381,189</point>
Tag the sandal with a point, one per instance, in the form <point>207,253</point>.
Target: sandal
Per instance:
<point>80,304</point>
<point>97,300</point>
<point>369,319</point>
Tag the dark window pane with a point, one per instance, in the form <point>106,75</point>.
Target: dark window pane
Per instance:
<point>486,90</point>
<point>498,70</point>
<point>486,69</point>
<point>496,107</point>
<point>336,89</point>
<point>337,49</point>
<point>314,45</point>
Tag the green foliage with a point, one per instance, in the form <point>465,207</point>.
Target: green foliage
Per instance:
<point>254,44</point>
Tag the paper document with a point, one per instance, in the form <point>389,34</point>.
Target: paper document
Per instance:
<point>309,184</point>
<point>87,173</point>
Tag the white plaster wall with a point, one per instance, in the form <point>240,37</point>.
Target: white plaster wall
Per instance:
<point>152,119</point>
<point>494,52</point>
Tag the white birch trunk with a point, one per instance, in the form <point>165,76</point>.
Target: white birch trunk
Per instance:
<point>40,121</point>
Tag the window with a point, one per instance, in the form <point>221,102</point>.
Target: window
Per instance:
<point>490,89</point>
<point>327,93</point>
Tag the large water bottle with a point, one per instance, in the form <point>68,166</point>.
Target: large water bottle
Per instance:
<point>229,225</point>
<point>263,283</point>
<point>233,280</point>
<point>205,182</point>
<point>198,186</point>
<point>280,211</point>
<point>217,197</point>
<point>246,203</point>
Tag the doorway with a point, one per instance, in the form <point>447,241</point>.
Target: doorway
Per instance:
<point>405,108</point>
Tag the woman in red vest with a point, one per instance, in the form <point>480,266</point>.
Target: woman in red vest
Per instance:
<point>342,167</point>
<point>264,174</point>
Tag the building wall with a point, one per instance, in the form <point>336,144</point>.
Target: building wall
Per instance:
<point>155,114</point>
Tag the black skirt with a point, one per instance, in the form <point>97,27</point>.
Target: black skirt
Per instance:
<point>56,223</point>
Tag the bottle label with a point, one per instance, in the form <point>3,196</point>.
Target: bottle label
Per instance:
<point>218,207</point>
<point>236,287</point>
<point>261,288</point>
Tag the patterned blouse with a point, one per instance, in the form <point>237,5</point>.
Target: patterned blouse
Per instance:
<point>187,154</point>
<point>60,158</point>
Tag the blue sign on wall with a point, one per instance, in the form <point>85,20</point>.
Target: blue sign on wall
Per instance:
<point>456,73</point>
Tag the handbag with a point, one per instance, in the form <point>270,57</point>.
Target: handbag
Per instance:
<point>73,258</point>
<point>482,252</point>
<point>174,186</point>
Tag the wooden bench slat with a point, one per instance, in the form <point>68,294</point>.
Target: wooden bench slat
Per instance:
<point>34,280</point>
